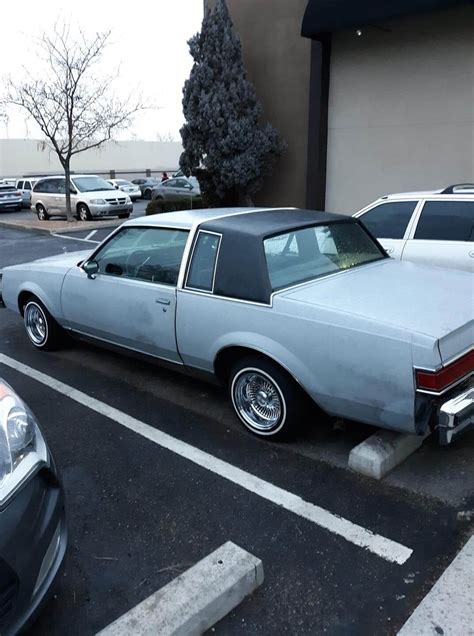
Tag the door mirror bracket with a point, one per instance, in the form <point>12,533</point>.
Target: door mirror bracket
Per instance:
<point>91,268</point>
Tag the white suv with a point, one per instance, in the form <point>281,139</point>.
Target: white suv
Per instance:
<point>428,227</point>
<point>91,196</point>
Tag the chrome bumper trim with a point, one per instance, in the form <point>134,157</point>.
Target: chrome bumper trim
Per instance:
<point>456,416</point>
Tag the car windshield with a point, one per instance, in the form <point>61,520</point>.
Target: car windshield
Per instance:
<point>301,255</point>
<point>122,182</point>
<point>92,184</point>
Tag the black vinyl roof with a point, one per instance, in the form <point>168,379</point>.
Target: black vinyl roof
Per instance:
<point>241,268</point>
<point>325,16</point>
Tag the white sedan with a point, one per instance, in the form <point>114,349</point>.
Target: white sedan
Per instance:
<point>130,188</point>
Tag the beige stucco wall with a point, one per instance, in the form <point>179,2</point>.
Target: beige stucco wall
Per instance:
<point>277,60</point>
<point>24,156</point>
<point>401,108</point>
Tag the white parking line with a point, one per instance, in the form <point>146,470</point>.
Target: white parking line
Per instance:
<point>358,535</point>
<point>449,607</point>
<point>75,238</point>
<point>90,235</point>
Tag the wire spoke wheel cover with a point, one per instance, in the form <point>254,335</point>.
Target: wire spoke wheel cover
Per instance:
<point>36,324</point>
<point>259,401</point>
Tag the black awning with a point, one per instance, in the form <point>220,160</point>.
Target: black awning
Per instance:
<point>325,16</point>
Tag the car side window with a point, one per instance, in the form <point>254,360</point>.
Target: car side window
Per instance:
<point>49,186</point>
<point>446,221</point>
<point>203,262</point>
<point>19,185</point>
<point>149,254</point>
<point>171,183</point>
<point>39,187</point>
<point>27,185</point>
<point>389,220</point>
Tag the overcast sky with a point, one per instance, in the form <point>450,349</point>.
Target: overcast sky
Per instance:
<point>148,43</point>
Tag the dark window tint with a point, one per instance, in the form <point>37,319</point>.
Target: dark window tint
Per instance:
<point>201,271</point>
<point>150,254</point>
<point>27,185</point>
<point>171,183</point>
<point>49,186</point>
<point>389,220</point>
<point>19,185</point>
<point>446,221</point>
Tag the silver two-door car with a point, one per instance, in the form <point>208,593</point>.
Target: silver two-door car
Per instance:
<point>280,305</point>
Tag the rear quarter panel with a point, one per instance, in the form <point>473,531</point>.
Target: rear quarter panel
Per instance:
<point>352,367</point>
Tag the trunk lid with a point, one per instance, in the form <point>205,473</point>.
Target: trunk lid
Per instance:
<point>433,301</point>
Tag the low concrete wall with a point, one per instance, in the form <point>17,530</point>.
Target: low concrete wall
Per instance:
<point>127,158</point>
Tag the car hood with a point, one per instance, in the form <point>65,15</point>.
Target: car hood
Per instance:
<point>61,261</point>
<point>430,300</point>
<point>102,194</point>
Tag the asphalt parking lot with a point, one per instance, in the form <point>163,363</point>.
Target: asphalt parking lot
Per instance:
<point>140,514</point>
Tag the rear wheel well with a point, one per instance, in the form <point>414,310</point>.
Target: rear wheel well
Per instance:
<point>227,358</point>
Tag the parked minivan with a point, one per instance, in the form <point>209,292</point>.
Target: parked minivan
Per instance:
<point>26,185</point>
<point>91,196</point>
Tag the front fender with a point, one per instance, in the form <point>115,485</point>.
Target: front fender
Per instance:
<point>45,285</point>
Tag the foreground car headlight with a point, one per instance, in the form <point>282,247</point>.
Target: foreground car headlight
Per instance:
<point>22,447</point>
<point>98,201</point>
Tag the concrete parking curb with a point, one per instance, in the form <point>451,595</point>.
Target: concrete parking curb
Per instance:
<point>380,453</point>
<point>197,599</point>
<point>449,607</point>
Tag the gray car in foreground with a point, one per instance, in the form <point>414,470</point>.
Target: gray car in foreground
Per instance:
<point>33,533</point>
<point>282,306</point>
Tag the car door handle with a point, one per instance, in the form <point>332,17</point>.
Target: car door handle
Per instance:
<point>471,253</point>
<point>163,301</point>
<point>389,250</point>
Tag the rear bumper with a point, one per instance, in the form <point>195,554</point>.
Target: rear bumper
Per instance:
<point>11,203</point>
<point>456,416</point>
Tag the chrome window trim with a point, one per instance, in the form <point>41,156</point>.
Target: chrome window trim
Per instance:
<point>229,298</point>
<point>199,231</point>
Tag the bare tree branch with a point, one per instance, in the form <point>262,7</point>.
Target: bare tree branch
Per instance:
<point>75,109</point>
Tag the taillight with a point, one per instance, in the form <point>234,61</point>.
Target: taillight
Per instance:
<point>440,380</point>
<point>18,194</point>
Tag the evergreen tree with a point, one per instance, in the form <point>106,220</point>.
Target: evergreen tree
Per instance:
<point>225,144</point>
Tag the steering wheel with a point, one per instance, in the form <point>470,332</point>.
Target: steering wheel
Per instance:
<point>135,261</point>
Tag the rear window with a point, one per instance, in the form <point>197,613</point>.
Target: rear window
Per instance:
<point>446,221</point>
<point>389,220</point>
<point>302,255</point>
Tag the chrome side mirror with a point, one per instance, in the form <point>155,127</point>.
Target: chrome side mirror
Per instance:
<point>91,268</point>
